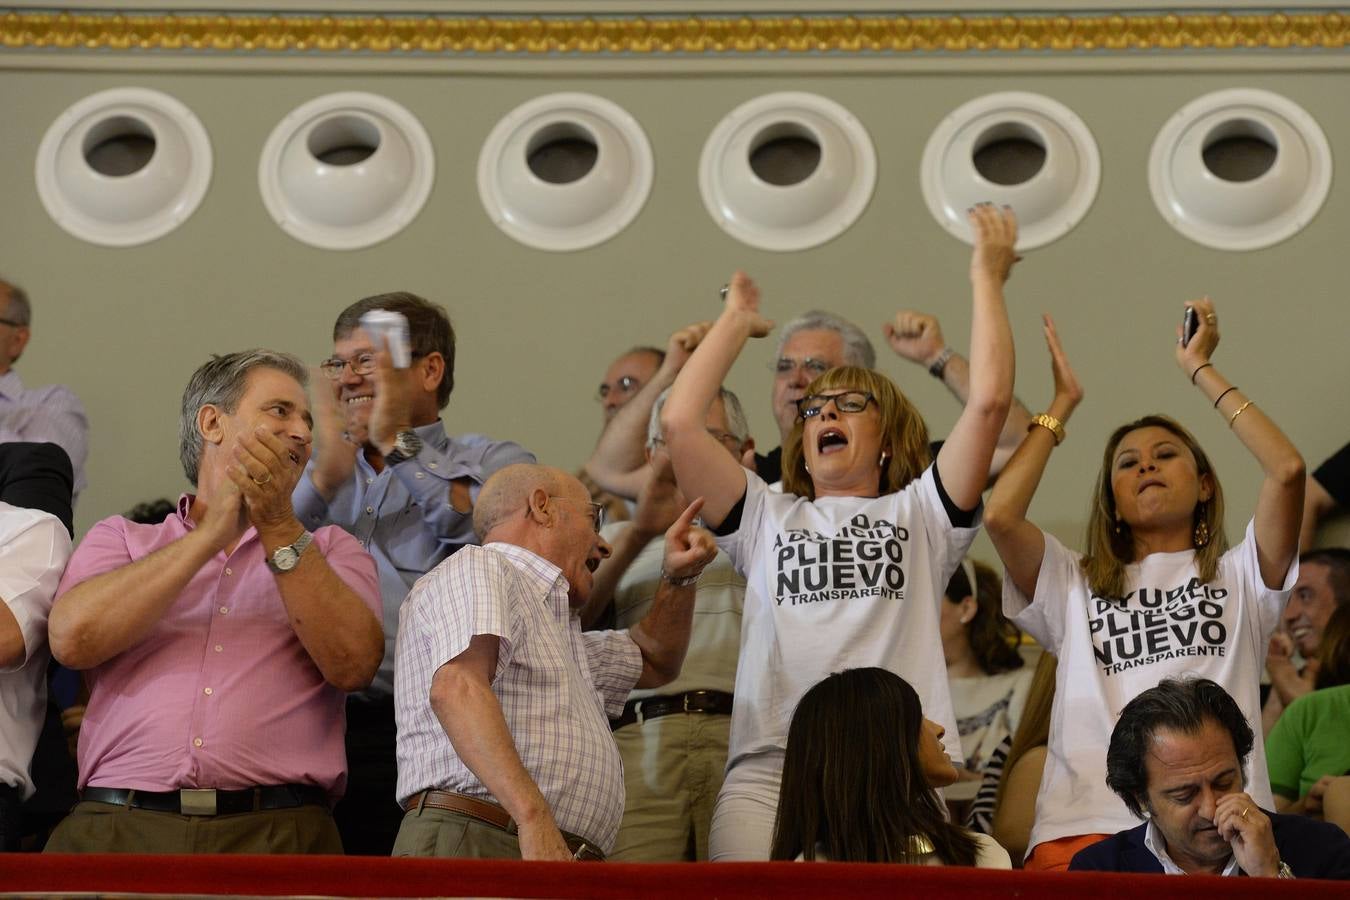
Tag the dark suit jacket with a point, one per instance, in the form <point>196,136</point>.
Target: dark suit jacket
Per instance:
<point>1312,848</point>
<point>37,476</point>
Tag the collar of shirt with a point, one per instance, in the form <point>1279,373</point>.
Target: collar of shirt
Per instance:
<point>1158,847</point>
<point>545,575</point>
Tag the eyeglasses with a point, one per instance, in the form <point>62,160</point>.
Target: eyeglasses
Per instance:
<point>722,437</point>
<point>846,402</point>
<point>786,365</point>
<point>362,364</point>
<point>597,510</point>
<point>626,384</point>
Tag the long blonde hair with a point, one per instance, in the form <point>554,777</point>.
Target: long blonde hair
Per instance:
<point>1109,544</point>
<point>903,432</point>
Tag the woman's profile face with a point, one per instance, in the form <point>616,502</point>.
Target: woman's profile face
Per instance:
<point>843,449</point>
<point>933,759</point>
<point>1155,480</point>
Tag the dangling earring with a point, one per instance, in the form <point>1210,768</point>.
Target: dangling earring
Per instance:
<point>882,461</point>
<point>1201,534</point>
<point>1119,527</point>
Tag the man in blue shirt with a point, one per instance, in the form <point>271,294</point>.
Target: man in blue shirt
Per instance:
<point>385,470</point>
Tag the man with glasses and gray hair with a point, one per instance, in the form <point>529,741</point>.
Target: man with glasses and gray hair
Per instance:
<point>815,342</point>
<point>46,414</point>
<point>386,471</point>
<point>504,747</point>
<point>219,645</point>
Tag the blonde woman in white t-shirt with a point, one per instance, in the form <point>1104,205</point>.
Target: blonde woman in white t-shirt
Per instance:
<point>847,567</point>
<point>1158,592</point>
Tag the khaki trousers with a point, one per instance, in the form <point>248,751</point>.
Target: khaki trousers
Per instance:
<point>108,828</point>
<point>672,771</point>
<point>439,832</point>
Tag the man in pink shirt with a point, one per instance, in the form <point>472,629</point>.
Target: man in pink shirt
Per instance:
<point>219,645</point>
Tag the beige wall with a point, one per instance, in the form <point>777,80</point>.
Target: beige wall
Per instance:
<point>125,327</point>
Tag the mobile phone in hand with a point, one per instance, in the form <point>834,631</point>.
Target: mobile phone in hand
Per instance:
<point>1189,322</point>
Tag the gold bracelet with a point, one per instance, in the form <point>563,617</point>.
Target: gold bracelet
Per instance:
<point>1240,410</point>
<point>1047,421</point>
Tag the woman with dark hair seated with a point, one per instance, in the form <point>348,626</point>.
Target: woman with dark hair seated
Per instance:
<point>860,780</point>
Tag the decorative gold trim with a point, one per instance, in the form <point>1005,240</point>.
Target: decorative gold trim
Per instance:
<point>693,35</point>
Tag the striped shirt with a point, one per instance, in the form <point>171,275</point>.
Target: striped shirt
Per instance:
<point>46,414</point>
<point>557,685</point>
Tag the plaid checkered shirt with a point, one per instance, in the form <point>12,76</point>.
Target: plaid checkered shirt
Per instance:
<point>557,685</point>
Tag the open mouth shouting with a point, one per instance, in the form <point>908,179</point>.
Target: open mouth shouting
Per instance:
<point>831,440</point>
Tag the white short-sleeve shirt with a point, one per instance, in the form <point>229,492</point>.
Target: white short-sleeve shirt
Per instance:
<point>839,583</point>
<point>1169,624</point>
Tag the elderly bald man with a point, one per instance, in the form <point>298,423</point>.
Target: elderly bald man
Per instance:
<point>502,702</point>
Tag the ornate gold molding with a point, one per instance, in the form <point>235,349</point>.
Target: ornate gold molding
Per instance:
<point>692,35</point>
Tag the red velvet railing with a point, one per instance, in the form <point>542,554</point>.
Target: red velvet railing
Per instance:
<point>372,877</point>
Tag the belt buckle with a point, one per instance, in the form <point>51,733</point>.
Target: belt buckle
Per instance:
<point>197,801</point>
<point>684,700</point>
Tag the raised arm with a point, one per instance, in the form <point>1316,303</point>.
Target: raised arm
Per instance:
<point>339,631</point>
<point>964,460</point>
<point>703,468</point>
<point>1279,504</point>
<point>1020,544</point>
<point>663,634</point>
<point>917,337</point>
<point>618,463</point>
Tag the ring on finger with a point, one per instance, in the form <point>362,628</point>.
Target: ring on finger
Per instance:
<point>1211,318</point>
<point>262,481</point>
<point>1245,810</point>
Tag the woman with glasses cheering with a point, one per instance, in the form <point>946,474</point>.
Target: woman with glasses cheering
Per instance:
<point>848,566</point>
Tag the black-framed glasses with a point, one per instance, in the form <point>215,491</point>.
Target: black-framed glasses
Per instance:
<point>845,402</point>
<point>786,365</point>
<point>362,364</point>
<point>624,384</point>
<point>597,510</point>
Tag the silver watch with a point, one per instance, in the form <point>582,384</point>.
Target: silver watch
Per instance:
<point>283,559</point>
<point>407,444</point>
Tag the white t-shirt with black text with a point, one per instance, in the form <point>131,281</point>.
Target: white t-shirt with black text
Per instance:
<point>839,583</point>
<point>1169,625</point>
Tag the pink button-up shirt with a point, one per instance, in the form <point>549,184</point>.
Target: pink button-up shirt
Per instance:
<point>220,693</point>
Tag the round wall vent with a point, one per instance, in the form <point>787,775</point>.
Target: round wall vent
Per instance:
<point>565,171</point>
<point>1240,169</point>
<point>123,167</point>
<point>787,171</point>
<point>1023,150</point>
<point>347,170</point>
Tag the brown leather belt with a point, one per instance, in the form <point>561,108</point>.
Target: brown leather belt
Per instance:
<point>491,814</point>
<point>717,703</point>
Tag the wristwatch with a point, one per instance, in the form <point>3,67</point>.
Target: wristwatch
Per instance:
<point>406,445</point>
<point>283,559</point>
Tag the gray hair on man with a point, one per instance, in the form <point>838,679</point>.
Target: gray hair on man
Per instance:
<point>858,349</point>
<point>19,311</point>
<point>507,493</point>
<point>220,382</point>
<point>736,421</point>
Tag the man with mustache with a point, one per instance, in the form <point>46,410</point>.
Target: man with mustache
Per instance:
<point>504,745</point>
<point>219,645</point>
<point>386,471</point>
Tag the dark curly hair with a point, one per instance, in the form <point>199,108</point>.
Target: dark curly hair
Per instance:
<point>1177,704</point>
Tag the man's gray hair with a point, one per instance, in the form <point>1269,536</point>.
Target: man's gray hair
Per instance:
<point>736,421</point>
<point>857,348</point>
<point>220,382</point>
<point>20,311</point>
